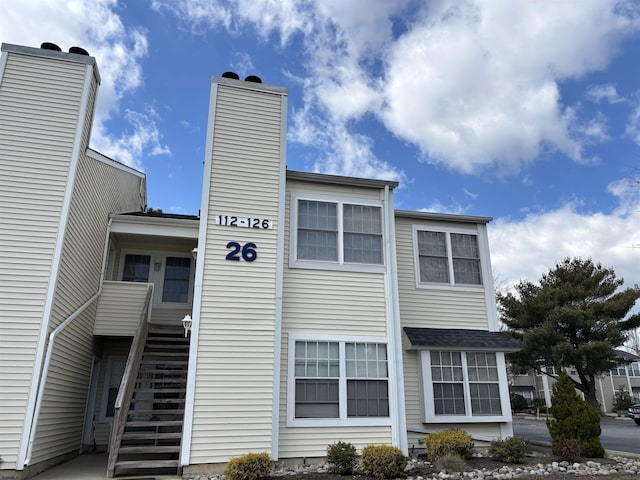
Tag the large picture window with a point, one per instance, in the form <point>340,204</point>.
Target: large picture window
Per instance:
<point>448,258</point>
<point>336,233</point>
<point>338,380</point>
<point>463,385</point>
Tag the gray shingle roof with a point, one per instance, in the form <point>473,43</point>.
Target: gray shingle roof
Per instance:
<point>460,339</point>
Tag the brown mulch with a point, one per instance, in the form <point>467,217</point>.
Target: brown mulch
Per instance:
<point>540,456</point>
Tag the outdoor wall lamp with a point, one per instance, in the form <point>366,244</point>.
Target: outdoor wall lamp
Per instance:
<point>186,324</point>
<point>157,265</point>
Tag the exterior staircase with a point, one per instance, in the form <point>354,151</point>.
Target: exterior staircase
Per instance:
<point>150,442</point>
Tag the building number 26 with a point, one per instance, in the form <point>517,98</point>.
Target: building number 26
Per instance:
<point>246,251</point>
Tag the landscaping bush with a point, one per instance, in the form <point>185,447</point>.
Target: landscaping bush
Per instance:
<point>448,441</point>
<point>622,400</point>
<point>451,463</point>
<point>573,418</point>
<point>511,450</point>
<point>342,458</point>
<point>568,450</point>
<point>383,461</point>
<point>250,466</point>
<point>518,403</point>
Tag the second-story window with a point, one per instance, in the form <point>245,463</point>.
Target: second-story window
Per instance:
<point>338,233</point>
<point>177,273</point>
<point>448,258</point>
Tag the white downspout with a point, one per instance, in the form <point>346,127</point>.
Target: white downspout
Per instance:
<point>397,408</point>
<point>49,351</point>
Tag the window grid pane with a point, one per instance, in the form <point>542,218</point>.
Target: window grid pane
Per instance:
<point>367,398</point>
<point>466,259</point>
<point>432,257</point>
<point>177,272</point>
<point>317,231</point>
<point>484,388</point>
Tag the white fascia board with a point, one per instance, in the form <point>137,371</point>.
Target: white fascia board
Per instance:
<point>163,227</point>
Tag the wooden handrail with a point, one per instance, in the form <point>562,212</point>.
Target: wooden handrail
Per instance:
<point>127,385</point>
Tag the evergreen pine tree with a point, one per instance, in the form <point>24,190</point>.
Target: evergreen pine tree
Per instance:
<point>573,418</point>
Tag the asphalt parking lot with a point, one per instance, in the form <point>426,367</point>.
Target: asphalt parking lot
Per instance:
<point>619,434</point>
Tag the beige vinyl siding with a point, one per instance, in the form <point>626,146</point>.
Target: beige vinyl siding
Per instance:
<point>39,101</point>
<point>119,307</point>
<point>433,308</point>
<point>330,302</point>
<point>325,189</point>
<point>234,379</point>
<point>100,189</point>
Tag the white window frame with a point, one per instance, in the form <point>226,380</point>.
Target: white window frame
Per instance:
<point>343,420</point>
<point>111,359</point>
<point>428,407</point>
<point>483,251</point>
<point>157,277</point>
<point>294,262</point>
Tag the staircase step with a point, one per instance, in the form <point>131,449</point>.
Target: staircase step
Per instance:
<point>157,400</point>
<point>150,435</point>
<point>131,464</point>
<point>150,361</point>
<point>150,449</point>
<point>166,371</point>
<point>160,411</point>
<point>162,380</point>
<point>153,423</point>
<point>160,390</point>
<point>164,354</point>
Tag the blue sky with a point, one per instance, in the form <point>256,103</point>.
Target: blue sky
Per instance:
<point>526,111</point>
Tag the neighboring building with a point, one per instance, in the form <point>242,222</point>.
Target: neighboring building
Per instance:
<point>626,376</point>
<point>319,313</point>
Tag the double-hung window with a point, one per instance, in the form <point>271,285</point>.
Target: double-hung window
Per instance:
<point>336,234</point>
<point>447,258</point>
<point>334,381</point>
<point>464,386</point>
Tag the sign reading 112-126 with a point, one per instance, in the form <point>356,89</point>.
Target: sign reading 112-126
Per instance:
<point>244,222</point>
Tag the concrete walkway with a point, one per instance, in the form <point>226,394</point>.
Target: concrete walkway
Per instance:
<point>92,466</point>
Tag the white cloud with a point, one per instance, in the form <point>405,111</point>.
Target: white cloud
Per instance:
<point>476,83</point>
<point>525,249</point>
<point>604,93</point>
<point>632,128</point>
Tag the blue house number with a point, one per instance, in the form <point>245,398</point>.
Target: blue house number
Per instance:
<point>246,251</point>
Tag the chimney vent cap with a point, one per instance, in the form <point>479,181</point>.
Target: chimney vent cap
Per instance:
<point>233,75</point>
<point>50,46</point>
<point>78,50</point>
<point>253,78</point>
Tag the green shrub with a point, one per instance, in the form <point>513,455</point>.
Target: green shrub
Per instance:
<point>342,458</point>
<point>573,418</point>
<point>568,450</point>
<point>511,450</point>
<point>451,463</point>
<point>518,403</point>
<point>250,466</point>
<point>448,441</point>
<point>622,400</point>
<point>383,461</point>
